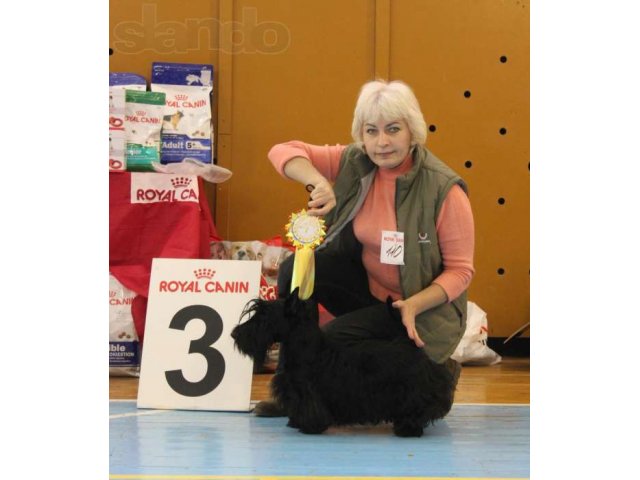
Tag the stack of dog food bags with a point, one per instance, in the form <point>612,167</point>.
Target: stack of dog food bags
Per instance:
<point>118,83</point>
<point>187,130</point>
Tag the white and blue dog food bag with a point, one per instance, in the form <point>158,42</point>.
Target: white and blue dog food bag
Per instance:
<point>187,130</point>
<point>118,83</point>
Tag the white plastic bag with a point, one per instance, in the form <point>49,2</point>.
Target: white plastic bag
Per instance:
<point>473,349</point>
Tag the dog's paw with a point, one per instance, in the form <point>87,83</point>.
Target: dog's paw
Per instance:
<point>404,429</point>
<point>291,423</point>
<point>313,428</point>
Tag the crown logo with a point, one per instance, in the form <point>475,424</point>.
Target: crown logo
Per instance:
<point>180,182</point>
<point>204,273</point>
<point>141,113</point>
<point>181,96</point>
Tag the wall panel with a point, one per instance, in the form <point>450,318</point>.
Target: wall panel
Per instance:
<point>444,49</point>
<point>303,86</point>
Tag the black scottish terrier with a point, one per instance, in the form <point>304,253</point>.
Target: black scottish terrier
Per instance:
<point>324,383</point>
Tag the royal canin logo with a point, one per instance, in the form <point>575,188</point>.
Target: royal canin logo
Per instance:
<point>204,273</point>
<point>180,182</point>
<point>204,283</point>
<point>114,300</point>
<point>182,101</point>
<point>142,117</point>
<point>177,189</point>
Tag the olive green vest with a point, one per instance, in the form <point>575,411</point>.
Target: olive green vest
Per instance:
<point>419,196</point>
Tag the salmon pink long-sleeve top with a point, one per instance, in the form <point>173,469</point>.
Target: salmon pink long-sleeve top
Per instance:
<point>454,225</point>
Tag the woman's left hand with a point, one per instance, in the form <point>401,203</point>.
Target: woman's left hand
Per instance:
<point>408,312</point>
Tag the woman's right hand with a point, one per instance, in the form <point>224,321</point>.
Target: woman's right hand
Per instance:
<point>323,199</point>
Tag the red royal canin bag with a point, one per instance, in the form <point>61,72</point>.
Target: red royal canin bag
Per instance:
<point>154,215</point>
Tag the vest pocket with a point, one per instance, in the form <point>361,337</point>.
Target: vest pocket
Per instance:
<point>440,330</point>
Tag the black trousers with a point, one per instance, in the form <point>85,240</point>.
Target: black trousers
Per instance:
<point>342,287</point>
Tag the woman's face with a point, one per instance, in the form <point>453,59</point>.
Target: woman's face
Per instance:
<point>387,143</point>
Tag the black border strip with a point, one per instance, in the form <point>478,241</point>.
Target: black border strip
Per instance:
<point>516,347</point>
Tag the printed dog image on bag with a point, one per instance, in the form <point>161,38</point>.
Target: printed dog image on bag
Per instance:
<point>219,250</point>
<point>270,253</point>
<point>242,251</point>
<point>170,122</point>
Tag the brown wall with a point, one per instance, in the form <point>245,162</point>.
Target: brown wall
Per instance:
<point>291,69</point>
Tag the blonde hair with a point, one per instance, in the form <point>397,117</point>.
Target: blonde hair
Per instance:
<point>381,100</point>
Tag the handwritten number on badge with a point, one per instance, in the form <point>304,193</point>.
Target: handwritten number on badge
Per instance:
<point>215,360</point>
<point>394,251</point>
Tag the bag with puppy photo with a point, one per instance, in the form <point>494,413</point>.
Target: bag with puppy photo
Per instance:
<point>187,129</point>
<point>271,253</point>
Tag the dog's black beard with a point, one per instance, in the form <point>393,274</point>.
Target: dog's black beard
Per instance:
<point>263,328</point>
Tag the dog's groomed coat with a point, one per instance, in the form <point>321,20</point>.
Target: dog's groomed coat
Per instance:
<point>324,383</point>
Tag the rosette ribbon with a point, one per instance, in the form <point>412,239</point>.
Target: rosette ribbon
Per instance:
<point>305,232</point>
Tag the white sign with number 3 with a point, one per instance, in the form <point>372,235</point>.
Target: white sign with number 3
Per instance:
<point>189,361</point>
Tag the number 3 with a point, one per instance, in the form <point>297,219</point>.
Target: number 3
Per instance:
<point>215,360</point>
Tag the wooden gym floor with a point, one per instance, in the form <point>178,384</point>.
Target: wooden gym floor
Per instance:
<point>485,436</point>
<point>506,382</point>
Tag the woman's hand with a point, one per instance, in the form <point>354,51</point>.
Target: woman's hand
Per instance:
<point>409,312</point>
<point>430,297</point>
<point>322,198</point>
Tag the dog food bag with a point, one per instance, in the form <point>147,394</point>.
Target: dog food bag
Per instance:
<point>127,81</point>
<point>271,253</point>
<point>117,141</point>
<point>142,125</point>
<point>187,131</point>
<point>124,347</point>
<point>118,83</point>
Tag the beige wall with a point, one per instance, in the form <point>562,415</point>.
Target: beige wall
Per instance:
<point>291,69</point>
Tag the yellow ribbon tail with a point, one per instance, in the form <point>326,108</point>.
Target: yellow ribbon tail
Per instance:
<point>304,272</point>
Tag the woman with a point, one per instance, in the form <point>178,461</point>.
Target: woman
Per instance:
<point>399,225</point>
